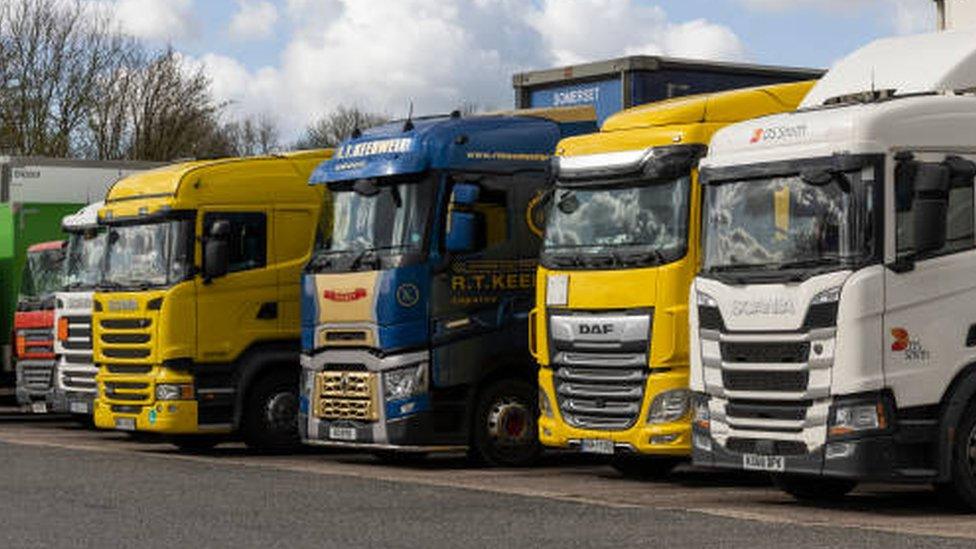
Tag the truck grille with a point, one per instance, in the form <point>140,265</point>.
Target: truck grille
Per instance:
<point>787,382</point>
<point>598,397</point>
<point>82,380</point>
<point>127,391</point>
<point>766,352</point>
<point>79,334</point>
<point>37,375</point>
<point>125,338</point>
<point>38,342</point>
<point>346,395</point>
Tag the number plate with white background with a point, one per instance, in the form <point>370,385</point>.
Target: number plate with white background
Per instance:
<point>596,446</point>
<point>342,433</point>
<point>756,462</point>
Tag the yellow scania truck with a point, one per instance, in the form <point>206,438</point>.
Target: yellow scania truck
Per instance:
<point>610,326</point>
<point>196,319</point>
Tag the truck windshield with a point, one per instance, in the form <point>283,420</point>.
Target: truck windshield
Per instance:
<point>787,223</point>
<point>627,224</point>
<point>42,274</point>
<point>82,266</point>
<point>360,230</point>
<point>151,255</point>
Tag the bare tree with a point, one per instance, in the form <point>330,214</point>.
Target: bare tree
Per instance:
<point>252,136</point>
<point>174,114</point>
<point>333,128</point>
<point>53,53</point>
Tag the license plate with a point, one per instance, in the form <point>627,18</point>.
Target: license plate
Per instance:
<point>125,424</point>
<point>597,446</point>
<point>39,407</point>
<point>755,462</point>
<point>78,407</point>
<point>342,433</point>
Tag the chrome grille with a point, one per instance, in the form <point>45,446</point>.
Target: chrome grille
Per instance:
<point>346,395</point>
<point>600,397</point>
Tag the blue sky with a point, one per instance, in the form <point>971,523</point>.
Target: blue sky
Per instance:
<point>294,60</point>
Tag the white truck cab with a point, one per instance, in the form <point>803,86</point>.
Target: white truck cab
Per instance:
<point>834,318</point>
<point>74,377</point>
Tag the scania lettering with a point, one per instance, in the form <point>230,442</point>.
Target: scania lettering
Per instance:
<point>620,251</point>
<point>834,317</point>
<point>416,299</point>
<point>73,386</point>
<point>34,325</point>
<point>196,317</point>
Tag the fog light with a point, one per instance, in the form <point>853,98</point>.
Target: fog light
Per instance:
<point>546,431</point>
<point>702,442</point>
<point>664,439</point>
<point>839,450</point>
<point>173,408</point>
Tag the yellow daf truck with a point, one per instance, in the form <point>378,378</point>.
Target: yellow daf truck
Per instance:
<point>621,247</point>
<point>196,319</point>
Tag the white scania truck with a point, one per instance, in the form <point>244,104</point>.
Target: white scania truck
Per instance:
<point>834,317</point>
<point>74,378</point>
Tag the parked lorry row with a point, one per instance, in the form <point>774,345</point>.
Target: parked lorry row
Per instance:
<point>774,278</point>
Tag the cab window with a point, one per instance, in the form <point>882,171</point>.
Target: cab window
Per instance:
<point>248,238</point>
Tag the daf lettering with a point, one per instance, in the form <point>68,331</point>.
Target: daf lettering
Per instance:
<point>595,329</point>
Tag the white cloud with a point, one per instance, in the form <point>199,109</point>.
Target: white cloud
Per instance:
<point>254,20</point>
<point>383,54</point>
<point>904,16</point>
<point>153,19</point>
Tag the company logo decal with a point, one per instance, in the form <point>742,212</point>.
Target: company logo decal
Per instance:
<point>904,343</point>
<point>778,134</point>
<point>535,213</point>
<point>121,305</point>
<point>370,148</point>
<point>344,295</point>
<point>763,306</point>
<point>408,295</point>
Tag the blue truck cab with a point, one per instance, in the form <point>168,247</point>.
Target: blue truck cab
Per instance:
<point>416,299</point>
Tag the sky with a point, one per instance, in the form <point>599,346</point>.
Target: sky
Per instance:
<point>295,60</point>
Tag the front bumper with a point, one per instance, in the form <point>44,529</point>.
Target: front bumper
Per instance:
<point>395,428</point>
<point>865,459</point>
<point>664,439</point>
<point>71,402</point>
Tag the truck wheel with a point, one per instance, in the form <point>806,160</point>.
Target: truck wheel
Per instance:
<point>961,491</point>
<point>506,432</point>
<point>192,444</point>
<point>645,467</point>
<point>271,413</point>
<point>814,488</point>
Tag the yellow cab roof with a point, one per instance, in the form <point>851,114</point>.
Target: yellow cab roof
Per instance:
<point>269,179</point>
<point>685,120</point>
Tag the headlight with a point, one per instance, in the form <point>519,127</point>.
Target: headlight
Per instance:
<point>703,416</point>
<point>831,295</point>
<point>174,391</point>
<point>405,382</point>
<point>544,407</point>
<point>705,300</point>
<point>857,418</point>
<point>668,406</point>
<point>557,290</point>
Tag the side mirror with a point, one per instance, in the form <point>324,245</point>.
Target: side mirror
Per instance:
<point>216,252</point>
<point>465,232</point>
<point>465,194</point>
<point>931,207</point>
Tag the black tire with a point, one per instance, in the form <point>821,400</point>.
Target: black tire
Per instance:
<point>271,413</point>
<point>814,488</point>
<point>645,467</point>
<point>505,430</point>
<point>960,492</point>
<point>391,457</point>
<point>193,444</point>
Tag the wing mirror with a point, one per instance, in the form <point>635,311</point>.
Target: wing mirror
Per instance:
<point>465,227</point>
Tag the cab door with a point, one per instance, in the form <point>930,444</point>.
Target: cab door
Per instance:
<point>930,298</point>
<point>241,307</point>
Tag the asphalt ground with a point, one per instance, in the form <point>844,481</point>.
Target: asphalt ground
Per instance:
<point>65,485</point>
